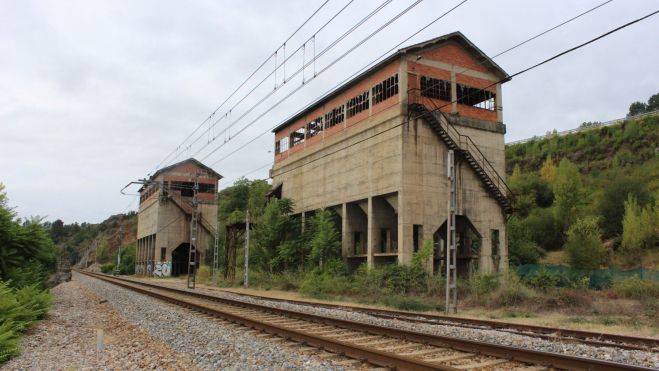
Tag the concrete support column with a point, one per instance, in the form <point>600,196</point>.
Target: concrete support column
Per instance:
<point>370,234</point>
<point>346,232</point>
<point>498,105</point>
<point>454,91</point>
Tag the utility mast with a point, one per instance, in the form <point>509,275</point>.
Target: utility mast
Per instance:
<point>194,233</point>
<point>216,245</point>
<point>246,280</point>
<point>451,249</point>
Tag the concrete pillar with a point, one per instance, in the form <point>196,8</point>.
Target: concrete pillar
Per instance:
<point>498,104</point>
<point>346,232</point>
<point>370,234</point>
<point>454,91</point>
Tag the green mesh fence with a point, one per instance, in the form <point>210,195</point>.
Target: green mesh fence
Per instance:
<point>598,279</point>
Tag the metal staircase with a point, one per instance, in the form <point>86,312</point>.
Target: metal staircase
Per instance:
<point>425,108</point>
<point>187,209</point>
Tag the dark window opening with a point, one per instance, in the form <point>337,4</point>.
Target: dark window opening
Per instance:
<point>417,231</point>
<point>334,117</point>
<point>385,90</point>
<point>163,254</point>
<point>359,244</point>
<point>206,188</point>
<point>476,97</point>
<point>357,104</point>
<point>277,147</point>
<point>186,188</point>
<point>314,127</point>
<point>297,137</point>
<point>435,88</point>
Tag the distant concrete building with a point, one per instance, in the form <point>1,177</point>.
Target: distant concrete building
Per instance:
<point>375,151</point>
<point>163,221</point>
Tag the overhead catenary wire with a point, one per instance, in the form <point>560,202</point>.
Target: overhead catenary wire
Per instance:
<point>209,118</point>
<point>400,43</point>
<point>227,115</point>
<point>297,72</point>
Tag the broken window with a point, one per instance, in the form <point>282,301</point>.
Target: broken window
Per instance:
<point>206,188</point>
<point>334,117</point>
<point>314,127</point>
<point>282,144</point>
<point>186,188</point>
<point>297,137</point>
<point>357,104</point>
<point>496,257</point>
<point>476,97</point>
<point>385,90</point>
<point>435,88</point>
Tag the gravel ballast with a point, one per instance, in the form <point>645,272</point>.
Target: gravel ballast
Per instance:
<point>632,357</point>
<point>211,344</point>
<point>67,338</point>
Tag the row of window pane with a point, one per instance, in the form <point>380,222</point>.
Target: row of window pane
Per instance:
<point>385,90</point>
<point>382,91</point>
<point>357,104</point>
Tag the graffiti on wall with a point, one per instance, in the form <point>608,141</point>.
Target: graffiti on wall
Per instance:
<point>162,269</point>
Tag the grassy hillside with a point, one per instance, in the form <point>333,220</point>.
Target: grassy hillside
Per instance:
<point>589,185</point>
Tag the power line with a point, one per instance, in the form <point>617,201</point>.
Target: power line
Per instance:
<point>245,81</point>
<point>297,72</point>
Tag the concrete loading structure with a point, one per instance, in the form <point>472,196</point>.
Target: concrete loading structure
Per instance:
<point>375,151</point>
<point>164,217</point>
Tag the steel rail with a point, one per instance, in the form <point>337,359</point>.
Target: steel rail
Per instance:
<point>547,359</point>
<point>586,337</point>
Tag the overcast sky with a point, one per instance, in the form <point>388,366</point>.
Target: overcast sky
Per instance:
<point>95,94</point>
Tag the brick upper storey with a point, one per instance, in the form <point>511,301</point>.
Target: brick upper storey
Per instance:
<point>446,69</point>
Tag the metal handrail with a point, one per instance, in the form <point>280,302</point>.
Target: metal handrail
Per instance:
<point>464,142</point>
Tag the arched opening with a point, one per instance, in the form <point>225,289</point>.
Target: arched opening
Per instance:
<point>180,257</point>
<point>468,242</point>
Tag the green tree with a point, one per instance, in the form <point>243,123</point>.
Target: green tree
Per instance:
<point>653,103</point>
<point>639,227</point>
<point>568,195</point>
<point>637,108</point>
<point>521,247</point>
<point>584,245</point>
<point>611,203</point>
<point>273,249</point>
<point>325,242</point>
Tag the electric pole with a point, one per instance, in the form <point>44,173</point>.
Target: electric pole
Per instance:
<point>246,280</point>
<point>194,231</point>
<point>451,249</point>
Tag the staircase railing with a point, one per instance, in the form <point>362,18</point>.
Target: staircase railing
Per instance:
<point>463,142</point>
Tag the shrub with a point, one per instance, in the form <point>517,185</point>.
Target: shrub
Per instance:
<point>482,284</point>
<point>107,268</point>
<point>542,280</point>
<point>636,288</point>
<point>584,246</point>
<point>522,249</point>
<point>18,309</point>
<point>203,274</point>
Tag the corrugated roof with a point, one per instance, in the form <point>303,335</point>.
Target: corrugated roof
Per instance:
<point>456,36</point>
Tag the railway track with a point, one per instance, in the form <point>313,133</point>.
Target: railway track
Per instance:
<point>377,345</point>
<point>600,339</point>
